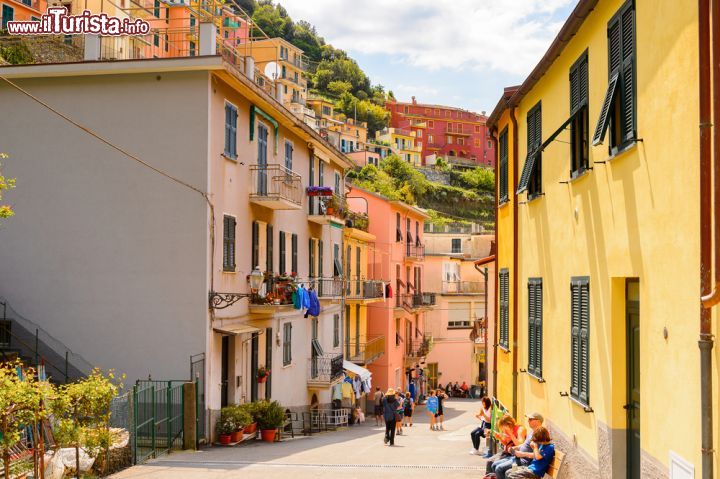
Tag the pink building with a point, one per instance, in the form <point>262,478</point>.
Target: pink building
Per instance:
<point>445,131</point>
<point>399,261</point>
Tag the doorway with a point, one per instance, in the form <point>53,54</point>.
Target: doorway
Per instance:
<point>632,315</point>
<point>432,375</point>
<point>224,370</point>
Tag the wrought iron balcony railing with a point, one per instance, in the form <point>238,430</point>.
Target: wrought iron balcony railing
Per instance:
<point>415,301</point>
<point>366,352</point>
<point>418,348</point>
<point>463,287</point>
<point>362,289</point>
<point>325,369</point>
<point>414,251</point>
<point>275,186</point>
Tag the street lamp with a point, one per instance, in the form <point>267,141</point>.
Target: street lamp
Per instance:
<point>223,300</point>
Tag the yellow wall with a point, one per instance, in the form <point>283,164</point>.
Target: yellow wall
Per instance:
<point>505,260</point>
<point>635,216</point>
<point>356,238</point>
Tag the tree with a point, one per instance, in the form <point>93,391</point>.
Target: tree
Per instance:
<point>21,396</point>
<point>6,211</point>
<point>270,19</point>
<point>82,410</point>
<point>338,87</point>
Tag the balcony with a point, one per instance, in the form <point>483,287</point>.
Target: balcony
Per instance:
<point>364,291</point>
<point>463,287</point>
<point>414,251</point>
<point>359,221</point>
<point>457,132</point>
<point>412,302</point>
<point>367,352</point>
<point>275,296</point>
<point>328,209</point>
<point>418,348</point>
<point>326,288</point>
<point>324,371</point>
<point>275,187</point>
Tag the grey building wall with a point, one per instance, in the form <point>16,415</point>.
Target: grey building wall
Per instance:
<point>106,255</point>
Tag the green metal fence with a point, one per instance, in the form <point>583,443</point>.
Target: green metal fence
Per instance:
<point>158,411</point>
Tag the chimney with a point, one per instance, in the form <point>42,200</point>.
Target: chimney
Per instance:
<point>413,101</point>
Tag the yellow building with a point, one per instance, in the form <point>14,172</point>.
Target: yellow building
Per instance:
<point>361,290</point>
<point>290,64</point>
<point>599,256</point>
<point>403,143</point>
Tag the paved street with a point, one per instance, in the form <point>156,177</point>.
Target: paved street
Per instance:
<point>353,452</point>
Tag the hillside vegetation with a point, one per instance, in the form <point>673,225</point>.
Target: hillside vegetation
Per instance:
<point>467,195</point>
<point>332,73</point>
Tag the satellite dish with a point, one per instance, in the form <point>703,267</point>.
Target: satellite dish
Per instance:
<point>272,70</point>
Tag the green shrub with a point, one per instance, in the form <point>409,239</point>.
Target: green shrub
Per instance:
<point>18,54</point>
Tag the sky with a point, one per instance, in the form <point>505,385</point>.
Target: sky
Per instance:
<point>450,52</point>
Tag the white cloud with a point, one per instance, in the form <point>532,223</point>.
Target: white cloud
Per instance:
<point>502,35</point>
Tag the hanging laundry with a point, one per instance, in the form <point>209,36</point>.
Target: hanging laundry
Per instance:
<point>297,299</point>
<point>347,390</point>
<point>305,298</point>
<point>337,391</point>
<point>388,291</point>
<point>314,308</point>
<point>357,387</point>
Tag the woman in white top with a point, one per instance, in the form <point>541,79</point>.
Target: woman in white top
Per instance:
<point>485,417</point>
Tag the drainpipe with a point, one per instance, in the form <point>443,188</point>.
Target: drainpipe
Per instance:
<point>493,136</point>
<point>515,261</point>
<point>705,342</point>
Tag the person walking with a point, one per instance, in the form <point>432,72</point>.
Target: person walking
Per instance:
<point>441,412</point>
<point>378,406</point>
<point>484,415</point>
<point>409,406</point>
<point>389,407</point>
<point>399,412</point>
<point>432,406</point>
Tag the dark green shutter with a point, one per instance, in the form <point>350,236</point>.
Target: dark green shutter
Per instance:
<point>628,85</point>
<point>504,309</point>
<point>255,255</point>
<point>503,141</point>
<point>283,252</point>
<point>311,258</point>
<point>575,340</point>
<point>531,327</point>
<point>535,327</point>
<point>294,245</point>
<point>268,361</point>
<point>604,120</point>
<point>321,259</point>
<point>270,252</point>
<point>584,343</point>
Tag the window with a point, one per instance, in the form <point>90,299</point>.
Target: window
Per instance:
<point>398,231</point>
<point>503,147</point>
<point>579,156</point>
<point>192,49</point>
<point>8,14</point>
<point>156,8</point>
<point>458,324</point>
<point>269,246</point>
<point>407,110</point>
<point>504,339</point>
<point>419,133</point>
<point>287,344</point>
<point>320,260</point>
<point>477,128</point>
<point>437,111</point>
<point>417,233</point>
<point>461,141</point>
<point>156,39</point>
<point>336,330</point>
<point>449,140</point>
<point>231,114</point>
<point>283,253</point>
<point>431,124</point>
<point>477,142</point>
<point>580,339</point>
<point>326,110</point>
<point>531,178</point>
<point>294,259</point>
<point>456,245</point>
<point>228,243</point>
<point>337,265</point>
<point>288,155</point>
<point>255,245</point>
<point>342,146</point>
<point>397,332</point>
<point>535,340</point>
<point>167,43</point>
<point>338,190</point>
<point>618,110</point>
<point>430,139</point>
<point>311,257</point>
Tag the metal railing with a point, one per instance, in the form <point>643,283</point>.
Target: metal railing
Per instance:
<point>366,352</point>
<point>325,369</point>
<point>418,348</point>
<point>359,289</point>
<point>334,205</point>
<point>275,182</point>
<point>415,251</point>
<point>463,287</point>
<point>325,287</point>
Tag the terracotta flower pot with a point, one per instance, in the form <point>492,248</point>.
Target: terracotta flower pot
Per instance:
<point>262,379</point>
<point>237,436</point>
<point>225,438</point>
<point>251,428</point>
<point>268,435</point>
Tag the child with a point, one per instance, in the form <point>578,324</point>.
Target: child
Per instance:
<point>543,454</point>
<point>360,415</point>
<point>432,408</point>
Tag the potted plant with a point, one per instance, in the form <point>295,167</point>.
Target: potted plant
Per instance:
<point>270,416</point>
<point>242,420</point>
<point>225,427</point>
<point>251,426</point>
<point>262,374</point>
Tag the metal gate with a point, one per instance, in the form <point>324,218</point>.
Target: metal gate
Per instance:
<point>158,412</point>
<point>197,374</point>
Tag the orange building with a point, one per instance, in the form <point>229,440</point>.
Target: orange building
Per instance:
<point>25,10</point>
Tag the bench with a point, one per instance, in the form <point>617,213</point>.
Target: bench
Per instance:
<point>554,469</point>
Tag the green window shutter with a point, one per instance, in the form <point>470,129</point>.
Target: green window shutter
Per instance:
<point>311,258</point>
<point>584,343</point>
<point>503,147</point>
<point>538,328</point>
<point>531,328</point>
<point>504,309</point>
<point>575,340</point>
<point>321,259</point>
<point>255,253</point>
<point>534,146</point>
<point>535,327</point>
<point>270,252</point>
<point>294,245</point>
<point>283,253</point>
<point>604,120</point>
<point>628,79</point>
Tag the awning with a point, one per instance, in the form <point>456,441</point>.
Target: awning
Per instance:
<point>357,370</point>
<point>236,329</point>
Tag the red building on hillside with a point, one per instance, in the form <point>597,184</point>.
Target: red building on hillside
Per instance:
<point>453,133</point>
